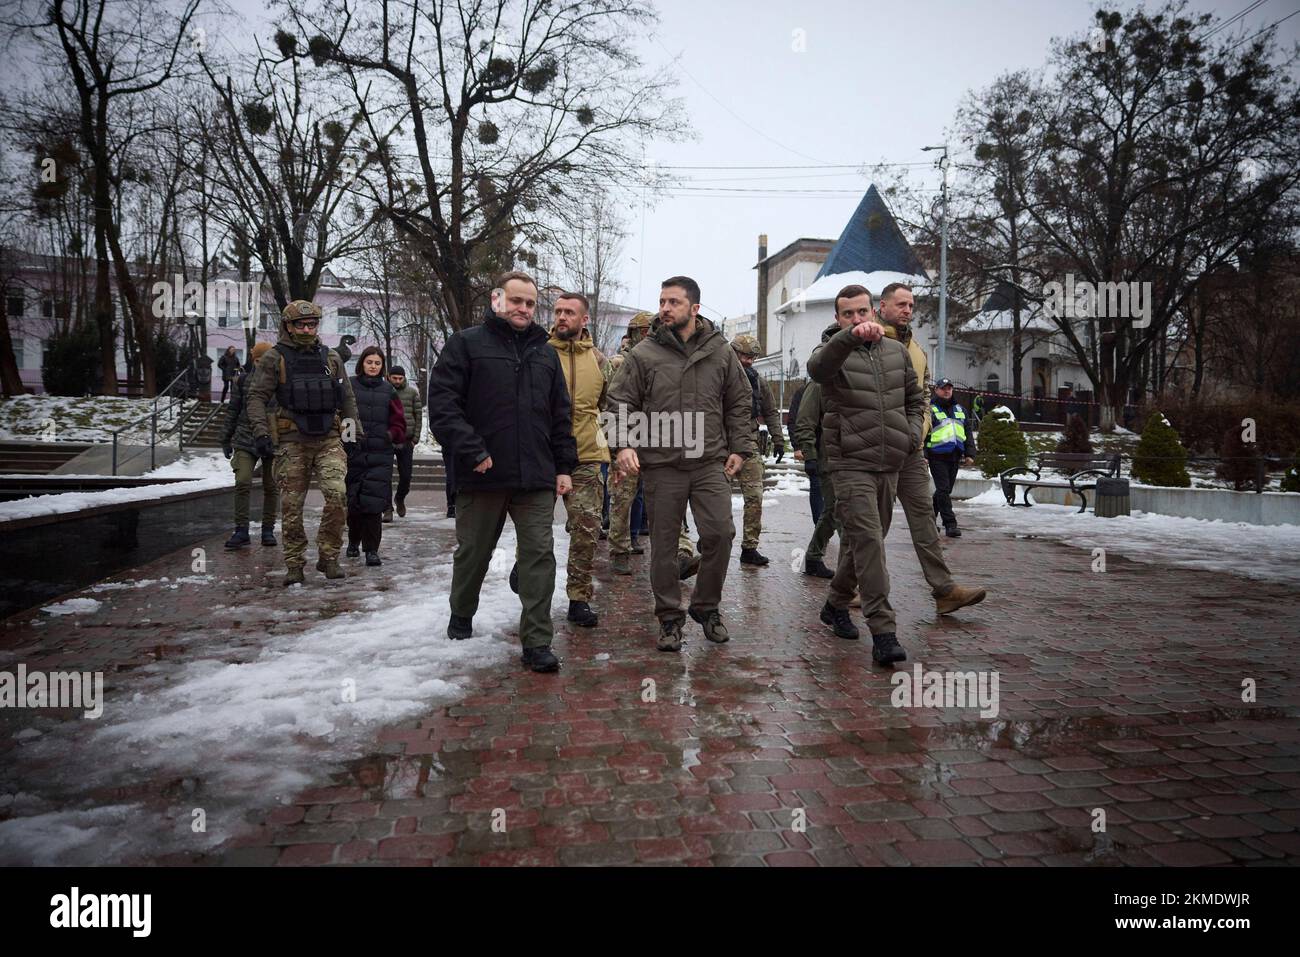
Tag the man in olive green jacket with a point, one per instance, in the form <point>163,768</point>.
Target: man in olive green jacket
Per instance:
<point>914,490</point>
<point>873,420</point>
<point>682,407</point>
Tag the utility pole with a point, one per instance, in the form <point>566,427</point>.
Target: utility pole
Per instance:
<point>943,261</point>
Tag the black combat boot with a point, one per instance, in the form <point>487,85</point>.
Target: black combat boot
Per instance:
<point>268,535</point>
<point>886,650</point>
<point>459,627</point>
<point>817,568</point>
<point>354,551</point>
<point>840,622</point>
<point>372,559</point>
<point>540,659</point>
<point>514,578</point>
<point>401,508</point>
<point>750,556</point>
<point>580,613</point>
<point>239,539</point>
<point>952,531</point>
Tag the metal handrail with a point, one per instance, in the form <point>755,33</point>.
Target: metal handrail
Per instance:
<point>172,402</point>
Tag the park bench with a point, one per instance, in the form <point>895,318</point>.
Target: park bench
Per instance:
<point>1075,470</point>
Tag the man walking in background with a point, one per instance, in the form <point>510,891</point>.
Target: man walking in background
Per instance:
<point>405,453</point>
<point>239,445</point>
<point>686,371</point>
<point>497,398</point>
<point>946,448</point>
<point>764,411</point>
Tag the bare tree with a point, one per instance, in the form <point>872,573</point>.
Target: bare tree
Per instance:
<point>515,107</point>
<point>591,250</point>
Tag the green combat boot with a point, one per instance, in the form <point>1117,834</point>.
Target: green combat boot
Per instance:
<point>294,576</point>
<point>330,569</point>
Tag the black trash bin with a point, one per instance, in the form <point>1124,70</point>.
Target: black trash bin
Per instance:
<point>1112,497</point>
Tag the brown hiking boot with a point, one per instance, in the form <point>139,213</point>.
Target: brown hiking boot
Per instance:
<point>620,563</point>
<point>958,596</point>
<point>294,576</point>
<point>687,565</point>
<point>330,569</point>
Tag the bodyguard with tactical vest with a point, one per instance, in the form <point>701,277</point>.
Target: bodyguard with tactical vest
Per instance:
<point>763,411</point>
<point>314,404</point>
<point>947,447</point>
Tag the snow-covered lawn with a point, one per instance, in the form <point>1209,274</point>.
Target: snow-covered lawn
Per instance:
<point>59,418</point>
<point>244,734</point>
<point>1266,552</point>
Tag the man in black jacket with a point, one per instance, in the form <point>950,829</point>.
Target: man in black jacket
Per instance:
<point>497,397</point>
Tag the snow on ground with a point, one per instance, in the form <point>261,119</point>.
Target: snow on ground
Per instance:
<point>73,606</point>
<point>201,463</point>
<point>242,735</point>
<point>61,418</point>
<point>64,502</point>
<point>1264,552</point>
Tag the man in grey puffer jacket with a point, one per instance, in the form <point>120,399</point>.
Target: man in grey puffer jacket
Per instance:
<point>874,413</point>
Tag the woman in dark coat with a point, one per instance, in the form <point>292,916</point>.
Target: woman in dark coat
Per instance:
<point>370,460</point>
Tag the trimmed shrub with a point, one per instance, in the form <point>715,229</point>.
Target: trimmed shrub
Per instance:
<point>1001,443</point>
<point>71,363</point>
<point>1291,480</point>
<point>1160,458</point>
<point>1076,439</point>
<point>1238,461</point>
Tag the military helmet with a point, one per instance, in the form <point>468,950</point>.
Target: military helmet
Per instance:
<point>746,346</point>
<point>640,321</point>
<point>301,309</point>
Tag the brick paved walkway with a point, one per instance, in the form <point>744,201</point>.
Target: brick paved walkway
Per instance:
<point>1119,691</point>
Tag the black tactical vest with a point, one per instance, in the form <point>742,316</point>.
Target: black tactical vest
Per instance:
<point>309,393</point>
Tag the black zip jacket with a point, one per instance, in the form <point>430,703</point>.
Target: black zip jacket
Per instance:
<point>501,393</point>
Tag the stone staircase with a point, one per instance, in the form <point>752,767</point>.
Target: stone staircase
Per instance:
<point>37,458</point>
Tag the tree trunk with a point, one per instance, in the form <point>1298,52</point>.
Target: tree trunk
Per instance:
<point>11,379</point>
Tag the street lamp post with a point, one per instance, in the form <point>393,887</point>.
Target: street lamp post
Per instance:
<point>943,259</point>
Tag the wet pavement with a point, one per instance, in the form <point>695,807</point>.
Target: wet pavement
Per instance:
<point>1145,716</point>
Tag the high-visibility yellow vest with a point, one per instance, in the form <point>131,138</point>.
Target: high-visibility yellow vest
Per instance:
<point>947,432</point>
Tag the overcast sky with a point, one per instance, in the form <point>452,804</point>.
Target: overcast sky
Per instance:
<point>876,82</point>
<point>842,82</point>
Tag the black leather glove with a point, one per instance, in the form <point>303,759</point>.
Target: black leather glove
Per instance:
<point>780,452</point>
<point>810,466</point>
<point>227,449</point>
<point>265,447</point>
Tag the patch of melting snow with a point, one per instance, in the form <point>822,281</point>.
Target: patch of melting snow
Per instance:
<point>257,732</point>
<point>73,606</point>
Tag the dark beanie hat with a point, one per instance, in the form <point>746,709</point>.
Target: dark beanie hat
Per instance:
<point>397,370</point>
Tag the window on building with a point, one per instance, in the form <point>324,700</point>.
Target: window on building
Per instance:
<point>18,351</point>
<point>47,307</point>
<point>349,321</point>
<point>16,306</point>
<point>993,383</point>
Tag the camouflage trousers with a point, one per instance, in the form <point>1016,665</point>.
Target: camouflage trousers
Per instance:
<point>751,486</point>
<point>583,506</point>
<point>296,464</point>
<point>620,517</point>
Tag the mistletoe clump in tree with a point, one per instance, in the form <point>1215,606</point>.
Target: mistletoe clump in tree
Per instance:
<point>1002,445</point>
<point>1160,458</point>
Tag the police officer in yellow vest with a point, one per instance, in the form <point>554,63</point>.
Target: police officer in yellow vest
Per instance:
<point>947,448</point>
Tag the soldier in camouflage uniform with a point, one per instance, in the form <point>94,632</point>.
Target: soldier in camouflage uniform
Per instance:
<point>586,384</point>
<point>764,410</point>
<point>623,493</point>
<point>314,407</point>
